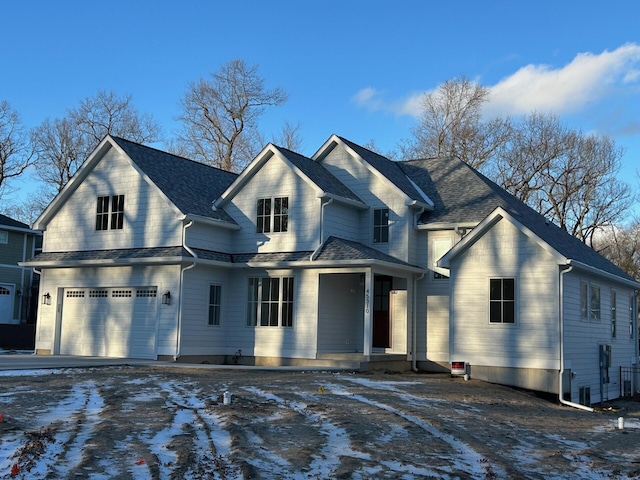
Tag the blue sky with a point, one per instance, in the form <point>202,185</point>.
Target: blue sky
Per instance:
<point>355,68</point>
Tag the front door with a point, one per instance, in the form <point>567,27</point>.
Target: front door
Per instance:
<point>6,303</point>
<point>382,285</point>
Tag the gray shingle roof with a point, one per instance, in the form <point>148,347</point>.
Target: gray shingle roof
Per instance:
<point>319,175</point>
<point>390,169</point>
<point>10,222</point>
<point>118,254</point>
<point>335,249</point>
<point>462,195</point>
<point>191,186</point>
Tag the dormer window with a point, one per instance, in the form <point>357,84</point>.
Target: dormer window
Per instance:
<point>381,225</point>
<point>272,215</point>
<point>110,213</point>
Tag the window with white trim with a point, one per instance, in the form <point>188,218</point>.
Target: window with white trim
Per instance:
<point>614,314</point>
<point>110,212</point>
<point>502,300</point>
<point>272,215</point>
<point>632,315</point>
<point>440,246</point>
<point>270,302</point>
<point>381,225</point>
<point>589,301</point>
<point>215,304</point>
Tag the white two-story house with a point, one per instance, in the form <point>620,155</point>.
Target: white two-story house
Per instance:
<point>345,258</point>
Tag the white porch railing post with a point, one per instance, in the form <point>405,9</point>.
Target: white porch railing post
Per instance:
<point>368,314</point>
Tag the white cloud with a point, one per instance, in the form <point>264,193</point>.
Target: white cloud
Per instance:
<point>372,100</point>
<point>567,89</point>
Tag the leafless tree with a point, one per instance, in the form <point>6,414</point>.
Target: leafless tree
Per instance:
<point>62,145</point>
<point>621,245</point>
<point>220,116</point>
<point>289,137</point>
<point>107,113</point>
<point>60,150</point>
<point>565,175</point>
<point>451,124</point>
<point>15,150</point>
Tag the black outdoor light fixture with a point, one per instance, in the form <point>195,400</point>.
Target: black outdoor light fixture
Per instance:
<point>166,298</point>
<point>46,299</point>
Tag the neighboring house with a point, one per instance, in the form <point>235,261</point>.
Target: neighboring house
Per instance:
<point>345,258</point>
<point>17,244</point>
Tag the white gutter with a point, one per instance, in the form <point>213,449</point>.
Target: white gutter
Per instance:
<point>414,326</point>
<point>417,217</point>
<point>561,316</point>
<point>321,242</point>
<point>184,269</point>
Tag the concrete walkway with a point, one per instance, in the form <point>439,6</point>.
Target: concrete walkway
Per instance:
<point>26,361</point>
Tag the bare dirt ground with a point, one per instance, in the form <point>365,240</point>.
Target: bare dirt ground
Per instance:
<point>172,423</point>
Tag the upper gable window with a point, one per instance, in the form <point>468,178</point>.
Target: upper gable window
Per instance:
<point>4,236</point>
<point>110,213</point>
<point>381,225</point>
<point>272,215</point>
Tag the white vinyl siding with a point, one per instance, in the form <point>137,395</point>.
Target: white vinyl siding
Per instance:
<point>275,180</point>
<point>163,278</point>
<point>378,193</point>
<point>505,252</point>
<point>149,220</point>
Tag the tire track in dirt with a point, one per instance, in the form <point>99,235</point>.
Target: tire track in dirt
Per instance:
<point>55,448</point>
<point>196,444</point>
<point>337,444</point>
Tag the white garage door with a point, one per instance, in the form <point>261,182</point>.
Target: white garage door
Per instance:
<point>109,322</point>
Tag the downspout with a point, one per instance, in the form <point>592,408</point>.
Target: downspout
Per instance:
<point>321,240</point>
<point>182,270</point>
<point>561,373</point>
<point>414,326</point>
<point>414,319</point>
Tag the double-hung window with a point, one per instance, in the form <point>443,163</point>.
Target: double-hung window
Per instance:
<point>589,301</point>
<point>215,304</point>
<point>270,302</point>
<point>632,316</point>
<point>272,215</point>
<point>110,213</point>
<point>4,236</point>
<point>381,225</point>
<point>614,313</point>
<point>502,300</point>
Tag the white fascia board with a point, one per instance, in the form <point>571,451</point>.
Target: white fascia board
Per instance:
<point>20,230</point>
<point>610,276</point>
<point>446,226</point>
<point>330,264</point>
<point>77,178</point>
<point>246,174</point>
<point>487,223</point>
<point>346,201</point>
<point>105,262</point>
<point>210,221</point>
<point>428,202</point>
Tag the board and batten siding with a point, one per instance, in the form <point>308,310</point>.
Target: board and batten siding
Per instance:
<point>377,193</point>
<point>532,341</point>
<point>149,220</point>
<point>55,281</point>
<point>275,179</point>
<point>583,337</point>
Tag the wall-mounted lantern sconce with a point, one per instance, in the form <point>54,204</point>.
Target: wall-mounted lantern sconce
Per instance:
<point>166,298</point>
<point>46,299</point>
<point>18,293</point>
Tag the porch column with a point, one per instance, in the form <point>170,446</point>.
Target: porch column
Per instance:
<point>368,314</point>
